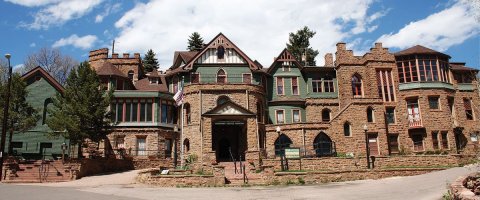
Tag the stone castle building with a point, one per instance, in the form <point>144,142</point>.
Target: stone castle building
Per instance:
<point>412,101</point>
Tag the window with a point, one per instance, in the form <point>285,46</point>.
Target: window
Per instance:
<point>414,118</point>
<point>296,116</point>
<point>390,114</point>
<point>186,145</point>
<point>220,52</point>
<point>317,85</point>
<point>356,86</point>
<point>325,115</point>
<point>468,109</point>
<point>247,78</point>
<point>281,143</point>
<point>195,77</point>
<point>130,74</point>
<point>128,111</point>
<point>435,140</point>
<point>168,148</point>
<point>120,142</point>
<point>119,84</point>
<point>422,68</point>
<point>328,84</point>
<point>417,142</point>
<point>141,147</point>
<point>346,129</point>
<point>286,66</point>
<point>222,100</point>
<point>187,113</point>
<point>175,84</point>
<point>474,137</point>
<point>168,112</point>
<point>464,78</point>
<point>444,139</point>
<point>279,85</point>
<point>323,145</point>
<point>221,76</point>
<point>46,105</point>
<point>280,116</point>
<point>393,143</point>
<point>385,85</point>
<point>433,103</point>
<point>17,145</point>
<point>294,86</point>
<point>370,114</point>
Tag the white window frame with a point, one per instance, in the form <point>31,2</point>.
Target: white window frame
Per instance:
<point>276,116</point>
<point>291,86</point>
<point>299,116</point>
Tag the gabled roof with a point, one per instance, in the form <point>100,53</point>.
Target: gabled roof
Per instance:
<point>419,49</point>
<point>107,69</point>
<point>182,56</point>
<point>40,71</point>
<point>212,44</point>
<point>285,56</point>
<point>460,66</point>
<point>229,108</point>
<point>145,85</point>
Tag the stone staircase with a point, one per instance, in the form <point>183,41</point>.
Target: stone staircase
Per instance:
<point>236,179</point>
<point>36,172</point>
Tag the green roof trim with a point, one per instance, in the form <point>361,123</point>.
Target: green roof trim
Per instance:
<point>425,85</point>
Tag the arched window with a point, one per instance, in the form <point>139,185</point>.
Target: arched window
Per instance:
<point>186,145</point>
<point>130,74</point>
<point>325,115</point>
<point>188,118</point>
<point>323,145</point>
<point>46,104</point>
<point>346,129</point>
<point>259,112</point>
<point>281,143</point>
<point>222,100</point>
<point>370,115</point>
<point>221,76</point>
<point>220,52</point>
<point>175,84</point>
<point>356,86</point>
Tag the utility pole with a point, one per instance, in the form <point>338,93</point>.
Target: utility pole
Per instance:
<point>5,116</point>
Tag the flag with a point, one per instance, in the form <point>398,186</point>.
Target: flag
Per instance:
<point>178,97</point>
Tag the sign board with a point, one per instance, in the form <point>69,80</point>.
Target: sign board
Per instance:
<point>292,153</point>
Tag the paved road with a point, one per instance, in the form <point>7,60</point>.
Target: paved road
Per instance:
<point>118,186</point>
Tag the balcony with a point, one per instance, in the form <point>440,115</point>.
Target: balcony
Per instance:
<point>414,121</point>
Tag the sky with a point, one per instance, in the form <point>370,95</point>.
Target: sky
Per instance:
<point>259,27</point>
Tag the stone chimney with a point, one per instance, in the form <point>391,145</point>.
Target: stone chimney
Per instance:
<point>114,55</point>
<point>341,46</point>
<point>378,45</point>
<point>126,55</point>
<point>328,60</point>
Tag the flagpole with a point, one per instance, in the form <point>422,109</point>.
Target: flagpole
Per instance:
<point>181,131</point>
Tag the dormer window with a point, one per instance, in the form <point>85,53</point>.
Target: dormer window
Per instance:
<point>154,80</point>
<point>130,74</point>
<point>220,52</point>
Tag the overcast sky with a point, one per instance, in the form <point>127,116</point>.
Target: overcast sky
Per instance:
<point>259,27</point>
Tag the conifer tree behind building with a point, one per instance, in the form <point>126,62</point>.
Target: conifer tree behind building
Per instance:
<point>82,112</point>
<point>299,45</point>
<point>150,63</point>
<point>195,42</point>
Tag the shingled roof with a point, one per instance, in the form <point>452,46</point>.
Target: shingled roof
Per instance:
<point>460,66</point>
<point>107,69</point>
<point>419,49</point>
<point>145,85</point>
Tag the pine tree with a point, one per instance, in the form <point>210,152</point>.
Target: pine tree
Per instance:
<point>195,42</point>
<point>298,44</point>
<point>21,115</point>
<point>82,112</point>
<point>150,63</point>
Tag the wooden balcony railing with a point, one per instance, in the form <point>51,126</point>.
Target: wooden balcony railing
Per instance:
<point>415,121</point>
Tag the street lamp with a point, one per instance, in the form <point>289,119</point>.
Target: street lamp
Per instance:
<point>282,151</point>
<point>365,128</point>
<point>64,148</point>
<point>175,154</point>
<point>5,116</point>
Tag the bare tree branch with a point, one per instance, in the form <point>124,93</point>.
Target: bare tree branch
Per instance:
<point>52,60</point>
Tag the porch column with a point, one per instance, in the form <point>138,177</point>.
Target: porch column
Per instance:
<point>252,155</point>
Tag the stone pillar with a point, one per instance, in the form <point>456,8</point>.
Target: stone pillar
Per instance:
<point>252,155</point>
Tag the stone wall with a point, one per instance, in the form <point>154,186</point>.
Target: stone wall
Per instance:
<point>460,192</point>
<point>153,177</point>
<point>88,167</point>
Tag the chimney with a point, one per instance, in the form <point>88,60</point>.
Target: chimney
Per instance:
<point>341,46</point>
<point>126,55</point>
<point>136,55</point>
<point>328,60</point>
<point>378,45</point>
<point>114,55</point>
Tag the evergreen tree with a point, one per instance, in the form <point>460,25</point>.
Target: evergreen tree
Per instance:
<point>195,42</point>
<point>299,44</point>
<point>150,63</point>
<point>82,111</point>
<point>21,115</point>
